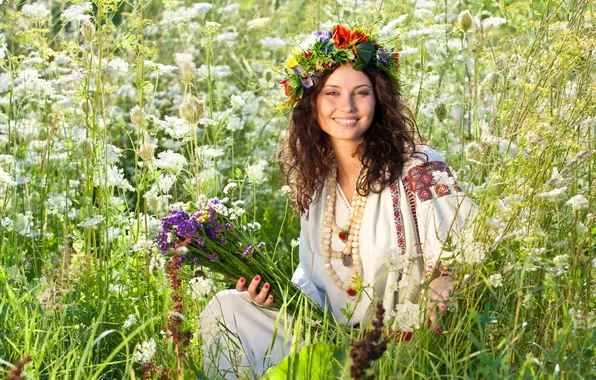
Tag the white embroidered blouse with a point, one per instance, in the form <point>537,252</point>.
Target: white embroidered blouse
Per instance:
<point>425,196</point>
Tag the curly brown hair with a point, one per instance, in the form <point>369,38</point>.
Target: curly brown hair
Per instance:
<point>307,156</point>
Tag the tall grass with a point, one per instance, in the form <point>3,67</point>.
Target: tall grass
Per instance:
<point>510,102</point>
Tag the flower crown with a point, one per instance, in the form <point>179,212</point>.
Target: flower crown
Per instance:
<point>328,50</point>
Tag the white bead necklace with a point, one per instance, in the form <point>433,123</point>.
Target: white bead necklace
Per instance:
<point>349,233</point>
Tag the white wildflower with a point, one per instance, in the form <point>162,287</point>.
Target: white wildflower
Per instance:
<point>77,13</point>
<point>256,173</point>
<point>208,327</point>
<point>145,351</point>
<point>230,186</point>
<point>229,8</point>
<point>114,178</point>
<point>286,190</point>
<point>495,280</point>
<point>92,221</point>
<point>35,11</point>
<point>212,26</point>
<point>235,123</point>
<point>118,64</point>
<point>431,31</point>
<point>555,193</point>
<point>273,42</point>
<point>208,152</point>
<point>492,22</point>
<point>258,22</point>
<point>254,226</point>
<point>207,175</point>
<point>180,58</point>
<point>207,122</point>
<point>6,224</point>
<point>157,262</point>
<point>24,223</point>
<point>390,30</point>
<point>395,261</point>
<point>58,204</point>
<point>295,242</point>
<point>229,36</point>
<point>237,101</point>
<point>5,179</point>
<point>423,14</point>
<point>442,178</point>
<point>143,245</point>
<point>176,127</point>
<point>578,202</point>
<point>200,288</point>
<point>168,160</point>
<point>405,316</point>
<point>165,182</point>
<point>561,261</point>
<point>130,321</point>
<point>200,8</point>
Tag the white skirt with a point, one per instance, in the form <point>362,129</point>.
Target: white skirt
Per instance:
<point>241,339</point>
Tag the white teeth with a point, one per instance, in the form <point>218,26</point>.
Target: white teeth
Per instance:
<point>346,121</point>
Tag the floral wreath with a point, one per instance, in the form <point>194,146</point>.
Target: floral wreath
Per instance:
<point>328,50</point>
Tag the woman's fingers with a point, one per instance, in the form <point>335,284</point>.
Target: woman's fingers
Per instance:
<point>262,296</point>
<point>240,285</point>
<point>269,302</point>
<point>252,287</point>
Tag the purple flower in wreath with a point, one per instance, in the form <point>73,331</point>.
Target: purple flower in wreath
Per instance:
<point>229,226</point>
<point>212,257</point>
<point>305,77</point>
<point>323,36</point>
<point>200,240</point>
<point>260,245</point>
<point>223,241</point>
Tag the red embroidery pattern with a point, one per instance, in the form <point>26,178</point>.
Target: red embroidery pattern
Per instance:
<point>399,226</point>
<point>422,182</point>
<point>412,199</point>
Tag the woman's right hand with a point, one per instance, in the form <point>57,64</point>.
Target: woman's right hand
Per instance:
<point>261,298</point>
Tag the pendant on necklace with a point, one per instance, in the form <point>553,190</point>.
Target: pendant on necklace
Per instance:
<point>347,261</point>
<point>343,236</point>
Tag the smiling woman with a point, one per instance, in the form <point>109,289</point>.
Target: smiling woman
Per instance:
<point>364,188</point>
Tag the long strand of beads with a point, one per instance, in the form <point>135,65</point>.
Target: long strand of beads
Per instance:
<point>351,253</point>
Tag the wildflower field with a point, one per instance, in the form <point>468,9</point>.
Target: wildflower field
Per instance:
<point>114,113</point>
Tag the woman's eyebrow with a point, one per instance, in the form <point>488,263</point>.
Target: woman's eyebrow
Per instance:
<point>360,85</point>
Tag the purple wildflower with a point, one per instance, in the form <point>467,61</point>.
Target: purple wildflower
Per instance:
<point>198,273</point>
<point>229,226</point>
<point>248,251</point>
<point>260,245</point>
<point>212,233</point>
<point>200,240</point>
<point>186,228</point>
<point>212,257</point>
<point>223,240</point>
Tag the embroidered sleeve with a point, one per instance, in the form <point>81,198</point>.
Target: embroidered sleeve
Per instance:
<point>440,210</point>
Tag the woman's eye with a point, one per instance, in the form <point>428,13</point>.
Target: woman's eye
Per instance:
<point>364,93</point>
<point>332,93</point>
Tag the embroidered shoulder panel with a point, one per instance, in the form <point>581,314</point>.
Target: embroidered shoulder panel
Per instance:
<point>399,225</point>
<point>431,180</point>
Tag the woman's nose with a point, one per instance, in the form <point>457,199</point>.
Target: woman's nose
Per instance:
<point>347,103</point>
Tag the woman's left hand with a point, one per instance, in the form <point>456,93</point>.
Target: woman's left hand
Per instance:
<point>439,291</point>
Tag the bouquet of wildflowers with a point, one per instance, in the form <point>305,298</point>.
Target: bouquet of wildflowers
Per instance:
<point>217,237</point>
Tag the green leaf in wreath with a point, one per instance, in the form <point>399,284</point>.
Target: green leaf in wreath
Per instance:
<point>318,361</point>
<point>365,51</point>
<point>360,65</point>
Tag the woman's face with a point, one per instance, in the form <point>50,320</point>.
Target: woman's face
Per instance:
<point>346,105</point>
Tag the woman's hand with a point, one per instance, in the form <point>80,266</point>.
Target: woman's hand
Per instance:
<point>439,291</point>
<point>261,298</point>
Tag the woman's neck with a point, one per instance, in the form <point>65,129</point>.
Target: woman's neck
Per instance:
<point>348,167</point>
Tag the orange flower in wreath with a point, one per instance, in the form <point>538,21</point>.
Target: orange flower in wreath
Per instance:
<point>341,36</point>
